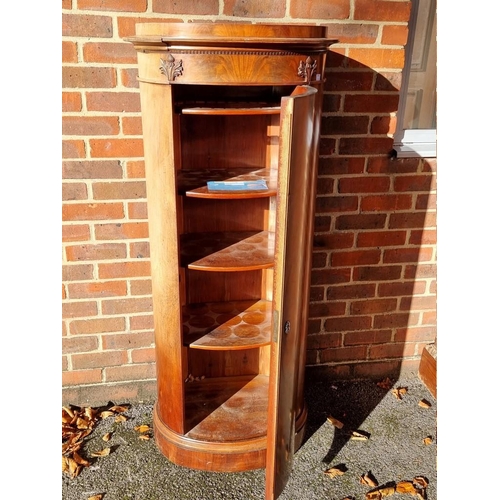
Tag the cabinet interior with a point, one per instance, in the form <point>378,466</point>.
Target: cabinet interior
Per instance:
<point>226,246</point>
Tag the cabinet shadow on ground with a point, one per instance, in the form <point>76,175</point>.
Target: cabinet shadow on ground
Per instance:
<point>362,293</point>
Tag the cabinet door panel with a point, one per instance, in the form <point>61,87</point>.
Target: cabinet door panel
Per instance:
<point>295,171</point>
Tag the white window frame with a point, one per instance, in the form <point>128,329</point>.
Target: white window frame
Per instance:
<point>410,143</point>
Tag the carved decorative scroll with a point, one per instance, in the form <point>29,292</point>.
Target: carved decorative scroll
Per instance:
<point>307,69</point>
<point>170,68</point>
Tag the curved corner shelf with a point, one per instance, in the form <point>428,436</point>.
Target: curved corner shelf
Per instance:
<point>227,108</point>
<point>228,251</point>
<point>227,325</point>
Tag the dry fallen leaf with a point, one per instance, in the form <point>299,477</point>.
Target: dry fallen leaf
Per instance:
<point>399,392</point>
<point>427,440</point>
<point>145,437</point>
<point>359,436</point>
<point>121,418</point>
<point>424,403</point>
<point>385,384</point>
<point>383,491</point>
<point>337,423</point>
<point>96,497</point>
<point>335,471</point>
<point>102,453</point>
<point>142,428</point>
<point>421,481</point>
<point>406,487</point>
<point>79,460</point>
<point>107,436</point>
<point>65,465</point>
<point>369,480</point>
<point>106,414</point>
<point>119,408</point>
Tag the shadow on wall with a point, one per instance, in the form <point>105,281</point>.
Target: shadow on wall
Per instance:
<point>372,308</point>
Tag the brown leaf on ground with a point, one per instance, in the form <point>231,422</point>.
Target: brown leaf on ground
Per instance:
<point>427,440</point>
<point>336,423</point>
<point>102,453</point>
<point>119,408</point>
<point>335,471</point>
<point>145,437</point>
<point>382,492</point>
<point>385,384</point>
<point>406,487</point>
<point>359,435</point>
<point>121,418</point>
<point>107,413</point>
<point>74,468</point>
<point>399,392</point>
<point>424,403</point>
<point>107,436</point>
<point>420,481</point>
<point>369,480</point>
<point>65,464</point>
<point>79,460</point>
<point>96,497</point>
<point>142,428</point>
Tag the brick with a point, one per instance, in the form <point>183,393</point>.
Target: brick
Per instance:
<point>429,318</point>
<point>377,273</point>
<point>325,204</point>
<point>92,169</point>
<point>336,58</point>
<point>394,34</point>
<point>348,323</point>
<point>313,326</point>
<point>340,166</point>
<point>79,344</point>
<point>109,52</point>
<point>90,125</point>
<point>361,221</point>
<point>399,289</point>
<point>355,257</point>
<point>71,101</point>
<point>79,309</point>
<point>344,125</point>
<point>255,9</point>
<point>97,289</point>
<point>377,370</point>
<point>325,185</point>
<point>208,7</point>
<point>408,255</point>
<point>143,322</point>
<point>99,359</point>
<point>69,53</point>
<point>327,147</point>
<point>382,10</point>
<point>343,354</point>
<point>317,294</point>
<point>331,102</point>
<point>119,231</point>
<point>319,260</point>
<point>135,169</point>
<point>322,223</point>
<point>385,351</point>
<point>126,25</point>
<point>113,5</point>
<point>417,334</point>
<point>330,276</point>
<point>74,191</point>
<point>370,184</point>
<point>320,9</point>
<point>371,103</point>
<point>423,237</point>
<point>353,33</point>
<point>367,337</point>
<point>393,320</point>
<point>373,306</point>
<point>388,80</point>
<point>88,77</point>
<point>97,325</point>
<point>327,309</point>
<point>66,4</point>
<point>140,287</point>
<point>418,303</point>
<point>383,125</point>
<point>120,102</point>
<point>381,238</point>
<point>376,58</point>
<point>429,165</point>
<point>426,202</point>
<point>128,77</point>
<point>77,272</point>
<point>130,372</point>
<point>73,149</point>
<point>412,220</point>
<point>75,232</point>
<point>387,202</point>
<point>93,211</point>
<point>137,210</point>
<point>143,356</point>
<point>132,125</point>
<point>80,377</point>
<point>422,182</point>
<point>124,269</point>
<point>88,26</point>
<point>350,81</point>
<point>361,291</point>
<point>127,306</point>
<point>324,340</point>
<point>385,165</point>
<point>420,271</point>
<point>365,145</point>
<point>127,340</point>
<point>119,190</point>
<point>139,250</point>
<point>121,148</point>
<point>334,241</point>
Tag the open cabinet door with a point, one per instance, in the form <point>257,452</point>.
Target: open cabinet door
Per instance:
<point>293,229</point>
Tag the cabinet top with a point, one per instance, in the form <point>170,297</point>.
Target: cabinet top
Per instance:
<point>232,34</point>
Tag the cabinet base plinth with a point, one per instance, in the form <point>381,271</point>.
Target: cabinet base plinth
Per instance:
<point>235,456</point>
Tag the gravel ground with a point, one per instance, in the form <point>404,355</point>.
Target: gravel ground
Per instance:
<point>394,451</point>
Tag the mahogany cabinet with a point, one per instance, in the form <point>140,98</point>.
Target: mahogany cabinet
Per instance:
<point>238,105</point>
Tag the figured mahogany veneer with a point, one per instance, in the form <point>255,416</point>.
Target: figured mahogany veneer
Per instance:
<point>231,269</point>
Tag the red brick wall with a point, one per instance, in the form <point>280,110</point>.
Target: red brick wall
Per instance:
<point>373,306</point>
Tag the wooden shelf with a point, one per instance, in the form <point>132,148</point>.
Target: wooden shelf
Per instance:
<point>228,251</point>
<point>228,108</point>
<point>227,409</point>
<point>192,183</point>
<point>227,325</point>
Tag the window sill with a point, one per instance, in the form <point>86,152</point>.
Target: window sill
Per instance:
<point>416,143</point>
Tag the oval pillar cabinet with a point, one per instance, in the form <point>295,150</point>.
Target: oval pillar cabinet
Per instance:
<point>231,116</point>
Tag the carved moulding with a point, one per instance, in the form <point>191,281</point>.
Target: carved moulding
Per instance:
<point>170,68</point>
<point>307,69</point>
